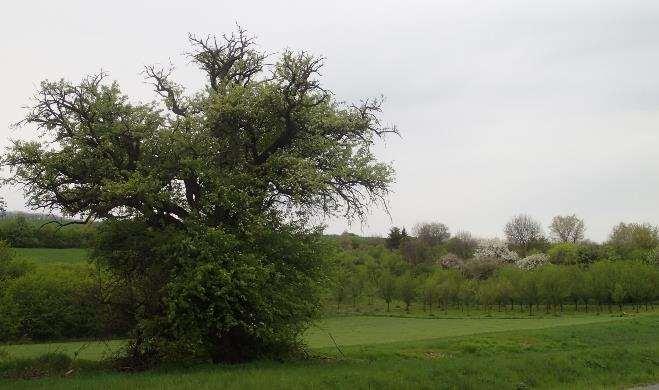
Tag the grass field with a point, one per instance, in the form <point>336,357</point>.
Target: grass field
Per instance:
<point>347,331</point>
<point>388,352</point>
<point>52,256</point>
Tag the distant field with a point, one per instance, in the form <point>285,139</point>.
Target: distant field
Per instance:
<point>392,353</point>
<point>50,256</point>
<point>348,331</point>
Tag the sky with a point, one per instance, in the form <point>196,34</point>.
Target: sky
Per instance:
<point>504,106</point>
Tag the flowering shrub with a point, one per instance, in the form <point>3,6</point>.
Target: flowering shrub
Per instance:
<point>450,260</point>
<point>497,249</point>
<point>532,261</point>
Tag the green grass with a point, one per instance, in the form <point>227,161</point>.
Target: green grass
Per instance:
<point>42,256</point>
<point>347,331</point>
<point>383,352</point>
<point>356,330</point>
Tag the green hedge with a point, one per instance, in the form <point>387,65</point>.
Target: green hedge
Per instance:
<point>50,303</point>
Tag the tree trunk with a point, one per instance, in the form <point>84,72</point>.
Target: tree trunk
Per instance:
<point>232,347</point>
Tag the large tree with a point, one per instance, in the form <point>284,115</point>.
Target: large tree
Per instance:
<point>524,233</point>
<point>431,233</point>
<point>634,240</point>
<point>239,165</point>
<point>567,228</point>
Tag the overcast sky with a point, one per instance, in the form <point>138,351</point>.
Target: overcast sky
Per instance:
<point>505,107</point>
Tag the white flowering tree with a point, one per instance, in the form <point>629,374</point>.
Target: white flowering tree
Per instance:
<point>495,249</point>
<point>533,261</point>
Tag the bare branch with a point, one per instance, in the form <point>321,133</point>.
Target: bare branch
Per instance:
<point>160,80</point>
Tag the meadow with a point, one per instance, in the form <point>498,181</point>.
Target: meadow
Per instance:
<point>43,256</point>
<point>346,331</point>
<point>587,351</point>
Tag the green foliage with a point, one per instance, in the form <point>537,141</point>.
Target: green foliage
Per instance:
<point>406,289</point>
<point>481,268</point>
<point>206,293</point>
<point>633,240</point>
<point>577,277</point>
<point>47,304</point>
<point>10,267</point>
<point>416,253</point>
<point>395,238</point>
<point>462,245</point>
<point>589,252</point>
<point>52,256</point>
<point>563,253</point>
<point>387,288</point>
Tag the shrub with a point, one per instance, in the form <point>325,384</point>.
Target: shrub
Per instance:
<point>563,253</point>
<point>495,249</point>
<point>206,293</point>
<point>462,244</point>
<point>49,303</point>
<point>589,252</point>
<point>450,261</point>
<point>481,268</point>
<point>532,261</point>
<point>10,268</point>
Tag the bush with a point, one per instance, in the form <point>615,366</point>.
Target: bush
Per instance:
<point>533,261</point>
<point>450,261</point>
<point>49,303</point>
<point>10,268</point>
<point>495,249</point>
<point>205,293</point>
<point>589,252</point>
<point>481,268</point>
<point>563,253</point>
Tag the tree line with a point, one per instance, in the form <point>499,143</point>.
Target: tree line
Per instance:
<point>431,268</point>
<point>603,284</point>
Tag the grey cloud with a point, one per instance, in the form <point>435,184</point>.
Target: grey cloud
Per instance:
<point>505,106</point>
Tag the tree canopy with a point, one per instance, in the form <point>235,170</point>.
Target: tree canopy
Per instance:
<point>567,228</point>
<point>256,139</point>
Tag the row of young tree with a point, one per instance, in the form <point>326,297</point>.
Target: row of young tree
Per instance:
<point>604,283</point>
